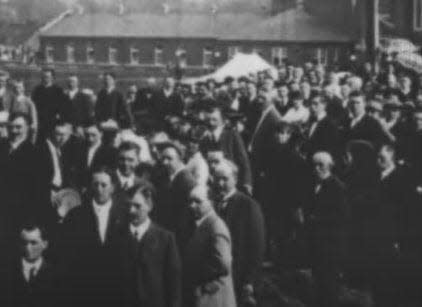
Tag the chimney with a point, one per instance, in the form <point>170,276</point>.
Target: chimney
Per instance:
<point>121,9</point>
<point>166,8</point>
<point>300,5</point>
<point>278,6</point>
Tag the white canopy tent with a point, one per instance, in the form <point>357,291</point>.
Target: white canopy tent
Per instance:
<point>397,45</point>
<point>240,65</point>
<point>411,61</point>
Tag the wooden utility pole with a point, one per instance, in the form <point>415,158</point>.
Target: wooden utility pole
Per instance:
<point>373,29</point>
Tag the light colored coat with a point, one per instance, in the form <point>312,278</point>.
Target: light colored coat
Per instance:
<point>208,265</point>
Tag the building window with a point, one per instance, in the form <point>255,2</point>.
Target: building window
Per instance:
<point>49,54</point>
<point>278,54</point>
<point>70,53</point>
<point>134,56</point>
<point>233,50</point>
<point>181,57</point>
<point>112,55</point>
<point>90,54</point>
<point>336,55</point>
<point>158,56</point>
<point>322,56</point>
<point>207,57</point>
<point>417,15</point>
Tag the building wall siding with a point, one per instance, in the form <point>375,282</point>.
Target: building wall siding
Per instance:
<point>296,52</point>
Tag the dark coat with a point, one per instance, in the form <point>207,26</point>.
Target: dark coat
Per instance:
<point>104,156</point>
<point>91,267</point>
<point>152,269</point>
<point>324,138</point>
<point>70,162</point>
<point>389,217</point>
<point>51,104</point>
<point>171,105</point>
<point>83,110</point>
<point>18,180</point>
<point>172,201</point>
<point>234,149</point>
<point>262,138</point>
<point>325,219</point>
<point>113,106</point>
<point>367,129</point>
<point>245,221</point>
<point>40,292</point>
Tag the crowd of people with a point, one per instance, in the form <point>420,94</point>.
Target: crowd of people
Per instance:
<point>175,195</point>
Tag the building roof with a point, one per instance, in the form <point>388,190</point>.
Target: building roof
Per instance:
<point>290,25</point>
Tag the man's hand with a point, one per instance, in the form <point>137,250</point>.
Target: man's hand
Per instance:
<point>299,216</point>
<point>248,295</point>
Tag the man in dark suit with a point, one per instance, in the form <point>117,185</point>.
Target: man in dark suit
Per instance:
<point>231,144</point>
<point>207,259</point>
<point>82,108</point>
<point>127,165</point>
<point>245,221</point>
<point>325,219</point>
<point>19,171</point>
<point>389,223</point>
<point>151,262</point>
<point>168,102</point>
<point>33,278</point>
<point>60,155</point>
<point>111,104</point>
<point>323,134</point>
<point>50,102</point>
<point>173,190</point>
<point>362,126</point>
<point>91,235</point>
<point>96,153</point>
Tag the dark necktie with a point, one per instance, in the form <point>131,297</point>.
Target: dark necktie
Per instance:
<point>32,274</point>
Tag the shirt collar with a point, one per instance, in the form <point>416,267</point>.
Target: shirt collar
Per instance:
<point>141,229</point>
<point>321,116</point>
<point>95,146</point>
<point>217,132</point>
<point>385,173</point>
<point>101,208</point>
<point>229,195</point>
<point>202,219</point>
<point>176,173</point>
<point>358,119</point>
<point>111,89</point>
<point>123,179</point>
<point>36,265</point>
<point>15,145</point>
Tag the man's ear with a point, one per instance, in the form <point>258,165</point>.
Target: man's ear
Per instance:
<point>45,243</point>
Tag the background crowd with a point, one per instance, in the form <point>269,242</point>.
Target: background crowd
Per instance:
<point>179,194</point>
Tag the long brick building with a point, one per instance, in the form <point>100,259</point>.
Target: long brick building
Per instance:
<point>196,40</point>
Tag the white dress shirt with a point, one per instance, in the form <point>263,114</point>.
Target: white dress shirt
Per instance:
<point>72,93</point>
<point>299,115</point>
<point>102,213</point>
<point>387,172</point>
<point>29,268</point>
<point>140,230</point>
<point>57,177</point>
<point>202,219</point>
<point>199,169</point>
<point>356,120</point>
<point>91,153</point>
<point>315,123</point>
<point>176,173</point>
<point>126,182</point>
<point>216,134</point>
<point>15,145</point>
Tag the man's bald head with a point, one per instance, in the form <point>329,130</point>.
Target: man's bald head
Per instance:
<point>323,164</point>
